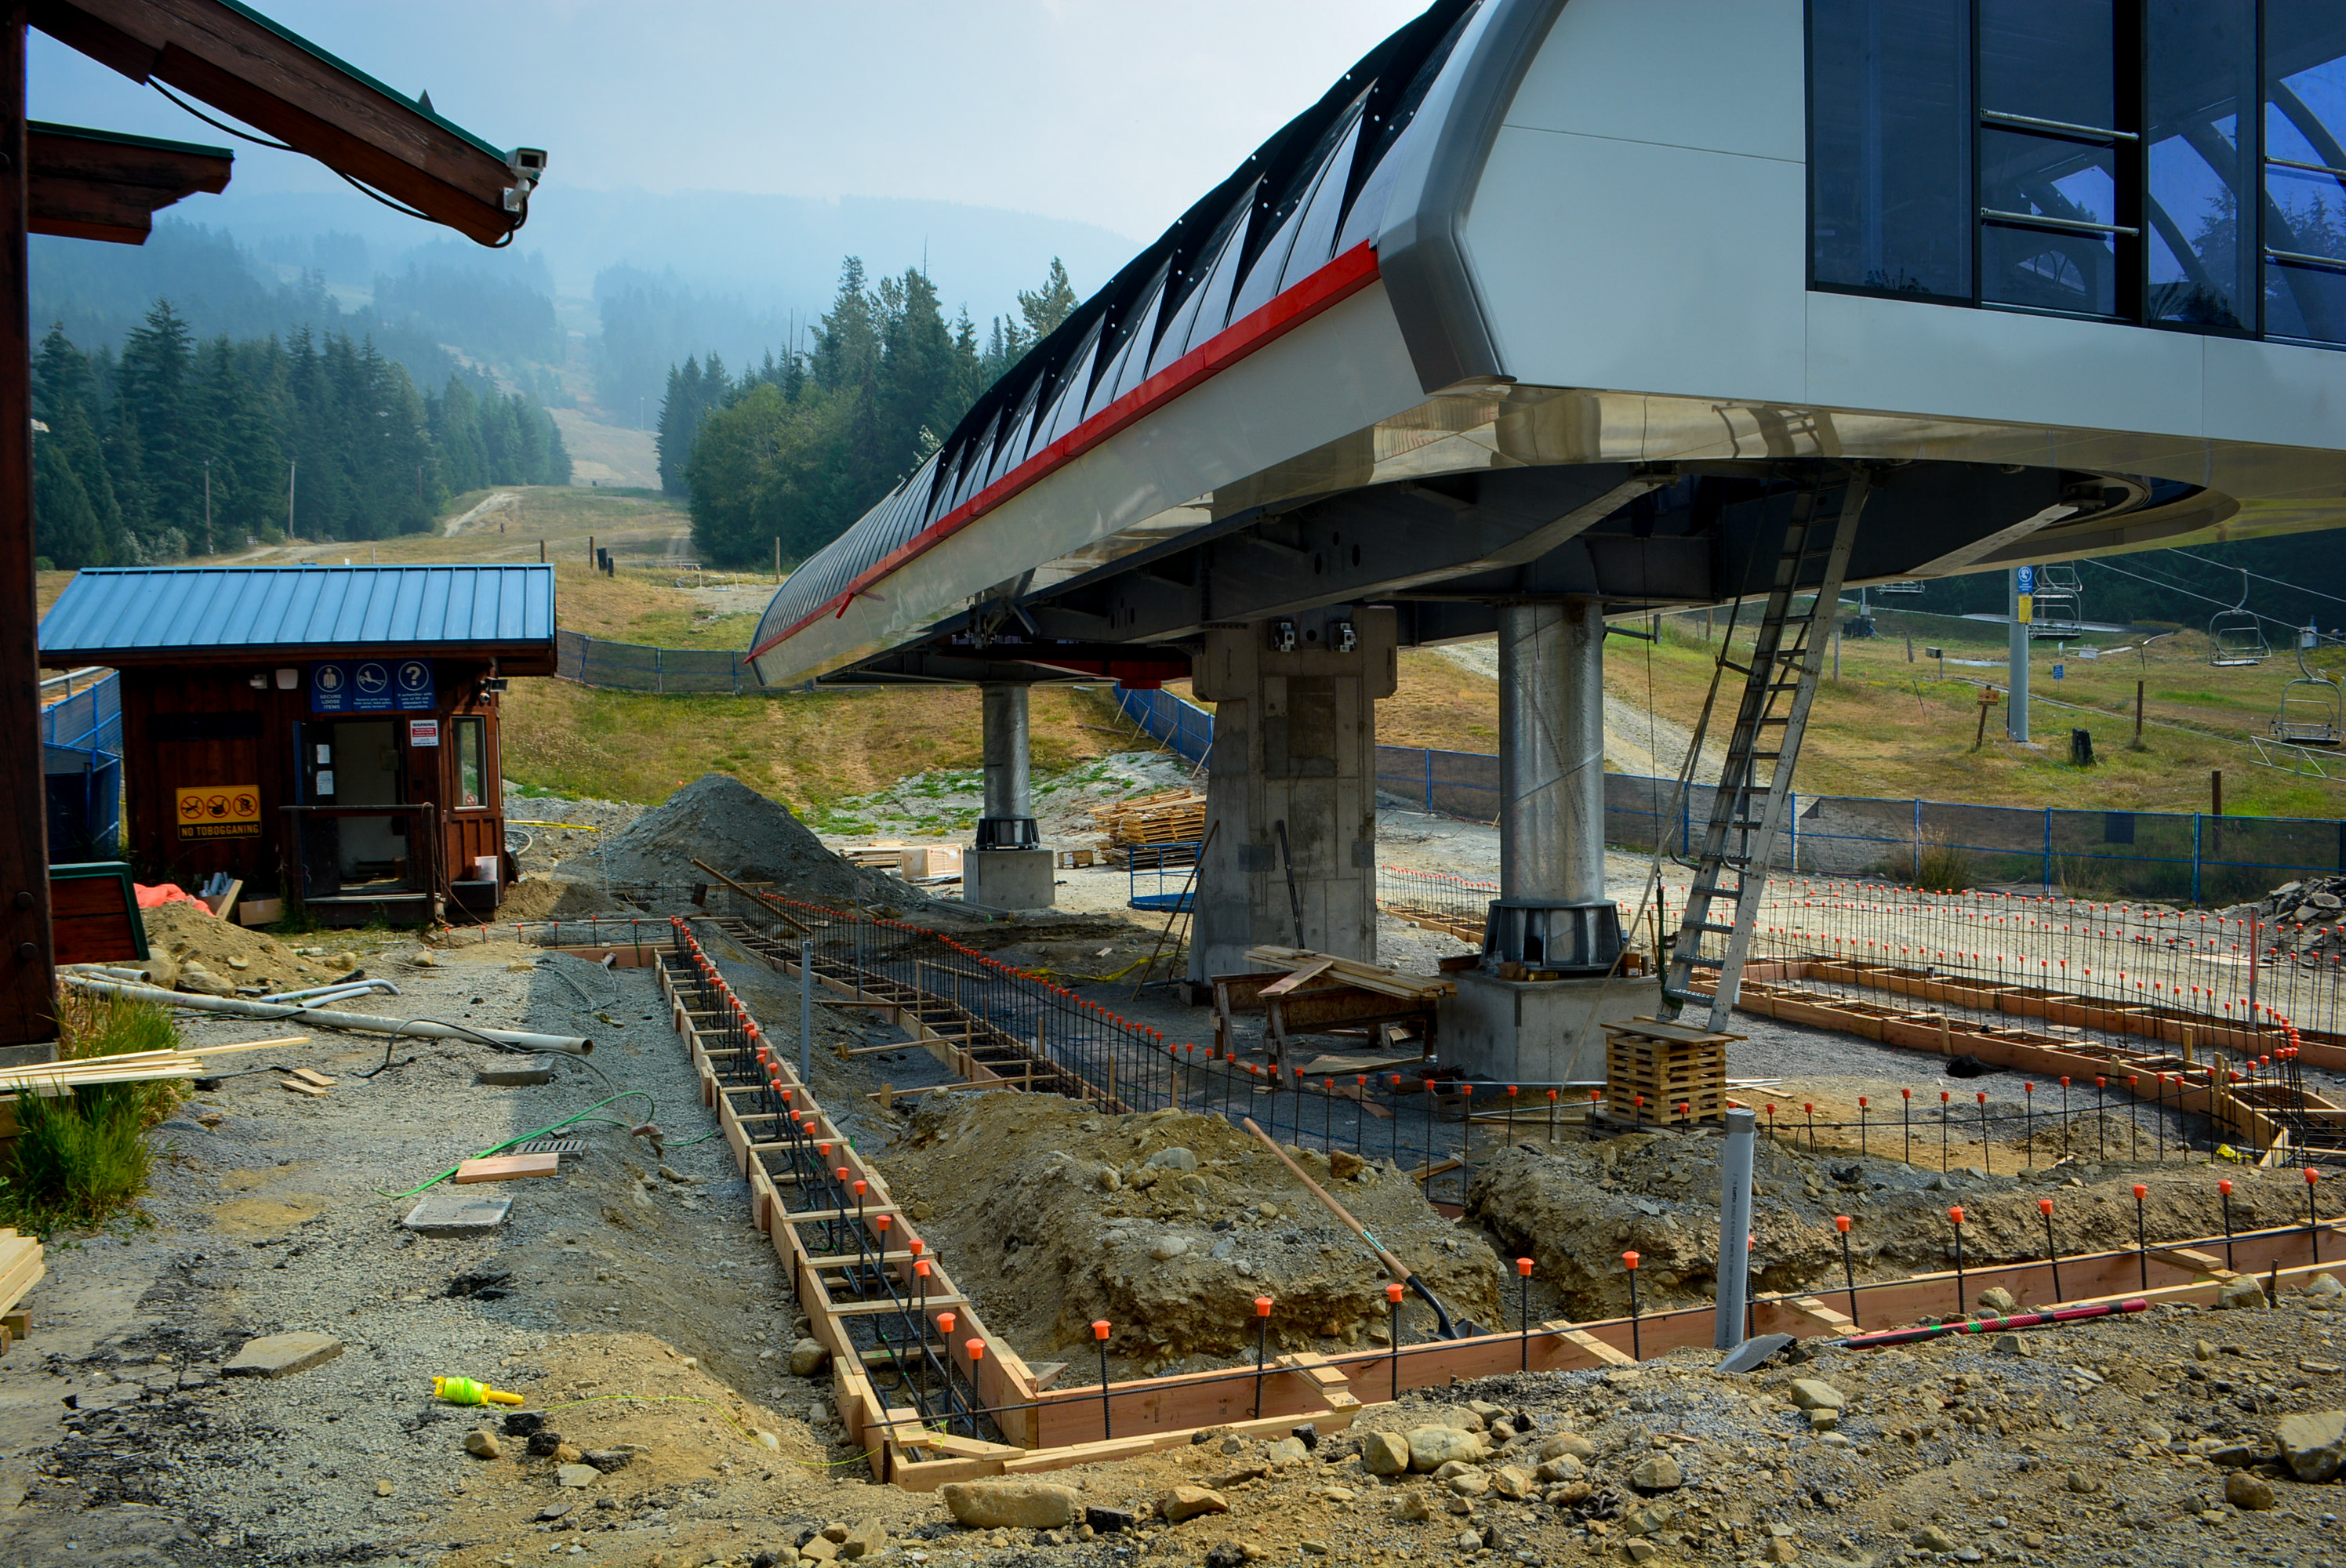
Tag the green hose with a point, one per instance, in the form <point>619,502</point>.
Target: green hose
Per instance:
<point>541,1133</point>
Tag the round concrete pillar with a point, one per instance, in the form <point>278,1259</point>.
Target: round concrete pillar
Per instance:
<point>1552,913</point>
<point>1008,822</point>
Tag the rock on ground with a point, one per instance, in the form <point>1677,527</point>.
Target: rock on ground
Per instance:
<point>1011,1504</point>
<point>282,1355</point>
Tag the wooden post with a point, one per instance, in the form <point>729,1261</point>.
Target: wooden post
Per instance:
<point>778,557</point>
<point>2215,791</point>
<point>541,551</point>
<point>2138,715</point>
<point>27,981</point>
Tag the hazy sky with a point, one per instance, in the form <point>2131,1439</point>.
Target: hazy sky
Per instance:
<point>1116,112</point>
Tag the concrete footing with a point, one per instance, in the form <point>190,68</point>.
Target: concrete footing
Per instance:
<point>1531,1032</point>
<point>1008,879</point>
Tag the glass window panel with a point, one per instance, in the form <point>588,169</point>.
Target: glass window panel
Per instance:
<point>471,765</point>
<point>2199,68</point>
<point>2048,175</point>
<point>2050,272</point>
<point>2305,81</point>
<point>2305,302</point>
<point>2049,59</point>
<point>2305,216</point>
<point>1890,155</point>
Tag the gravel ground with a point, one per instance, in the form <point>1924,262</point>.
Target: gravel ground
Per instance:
<point>269,1215</point>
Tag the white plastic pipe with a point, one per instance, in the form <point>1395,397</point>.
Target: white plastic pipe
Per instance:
<point>340,989</point>
<point>359,1022</point>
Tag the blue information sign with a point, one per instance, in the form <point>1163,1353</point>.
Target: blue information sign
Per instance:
<point>372,685</point>
<point>411,686</point>
<point>2026,577</point>
<point>330,688</point>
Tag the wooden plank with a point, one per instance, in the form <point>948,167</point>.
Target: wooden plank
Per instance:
<point>20,1277</point>
<point>1605,1354</point>
<point>1295,978</point>
<point>874,1309</point>
<point>508,1168</point>
<point>295,1086</point>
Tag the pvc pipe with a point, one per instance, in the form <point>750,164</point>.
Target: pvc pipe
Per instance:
<point>340,989</point>
<point>358,1023</point>
<point>1734,1227</point>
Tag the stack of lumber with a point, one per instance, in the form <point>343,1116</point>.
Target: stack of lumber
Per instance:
<point>1303,965</point>
<point>131,1067</point>
<point>1652,1068</point>
<point>20,1270</point>
<point>882,855</point>
<point>1167,817</point>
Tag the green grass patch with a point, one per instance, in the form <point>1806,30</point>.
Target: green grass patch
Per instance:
<point>82,1159</point>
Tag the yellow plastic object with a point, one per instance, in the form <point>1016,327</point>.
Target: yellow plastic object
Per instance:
<point>466,1391</point>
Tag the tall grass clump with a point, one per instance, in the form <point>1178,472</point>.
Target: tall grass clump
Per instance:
<point>82,1159</point>
<point>1943,869</point>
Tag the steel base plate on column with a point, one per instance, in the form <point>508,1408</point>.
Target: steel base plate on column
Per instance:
<point>1564,939</point>
<point>1007,833</point>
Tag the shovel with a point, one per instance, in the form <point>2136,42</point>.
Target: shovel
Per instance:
<point>1449,1330</point>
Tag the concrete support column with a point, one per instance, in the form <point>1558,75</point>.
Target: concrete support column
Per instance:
<point>1552,912</point>
<point>1007,868</point>
<point>1009,819</point>
<point>1290,797</point>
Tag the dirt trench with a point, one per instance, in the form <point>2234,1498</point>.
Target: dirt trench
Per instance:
<point>1576,1207</point>
<point>1050,1215</point>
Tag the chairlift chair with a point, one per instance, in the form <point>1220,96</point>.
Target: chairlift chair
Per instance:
<point>2312,707</point>
<point>2058,607</point>
<point>2236,636</point>
<point>1904,586</point>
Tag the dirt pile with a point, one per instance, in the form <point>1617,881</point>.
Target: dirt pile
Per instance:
<point>1051,1214</point>
<point>555,898</point>
<point>188,943</point>
<point>731,826</point>
<point>1577,1207</point>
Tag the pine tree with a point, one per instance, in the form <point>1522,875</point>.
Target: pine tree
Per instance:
<point>1047,306</point>
<point>154,393</point>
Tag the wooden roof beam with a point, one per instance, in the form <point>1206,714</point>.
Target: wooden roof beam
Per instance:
<point>96,185</point>
<point>249,68</point>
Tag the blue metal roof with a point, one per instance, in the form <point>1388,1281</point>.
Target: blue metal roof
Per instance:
<point>222,609</point>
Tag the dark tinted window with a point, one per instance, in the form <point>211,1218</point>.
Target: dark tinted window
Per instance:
<point>1890,159</point>
<point>2305,175</point>
<point>2199,65</point>
<point>2048,59</point>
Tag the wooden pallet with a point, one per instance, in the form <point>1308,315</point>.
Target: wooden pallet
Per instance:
<point>1679,1073</point>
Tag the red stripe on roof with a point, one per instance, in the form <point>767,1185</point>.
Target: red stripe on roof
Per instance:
<point>1339,280</point>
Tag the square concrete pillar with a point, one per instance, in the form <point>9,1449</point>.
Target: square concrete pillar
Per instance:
<point>1292,785</point>
<point>1009,879</point>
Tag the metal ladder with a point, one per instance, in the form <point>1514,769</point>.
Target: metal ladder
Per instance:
<point>1779,685</point>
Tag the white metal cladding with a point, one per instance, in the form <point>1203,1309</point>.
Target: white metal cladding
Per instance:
<point>1275,221</point>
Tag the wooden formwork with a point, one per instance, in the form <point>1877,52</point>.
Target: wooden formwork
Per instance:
<point>1664,1074</point>
<point>1053,1429</point>
<point>2246,1114</point>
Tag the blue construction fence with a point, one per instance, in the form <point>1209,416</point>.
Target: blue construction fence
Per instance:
<point>81,761</point>
<point>2177,857</point>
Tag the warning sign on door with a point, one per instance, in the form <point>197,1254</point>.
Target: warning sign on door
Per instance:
<point>219,811</point>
